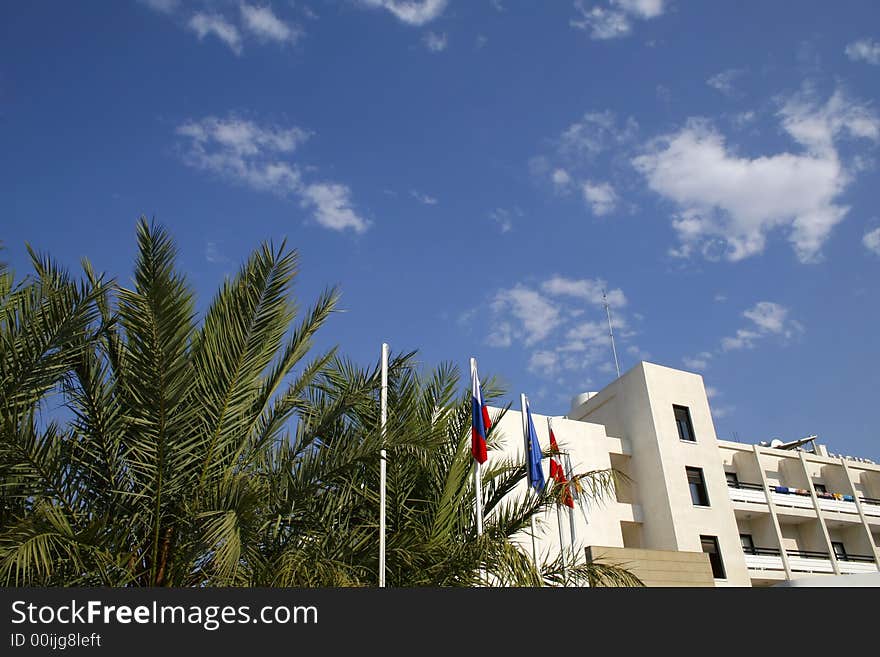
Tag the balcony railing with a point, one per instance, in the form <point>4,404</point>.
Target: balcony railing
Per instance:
<point>870,505</point>
<point>744,485</point>
<point>742,491</point>
<point>765,558</point>
<point>762,551</point>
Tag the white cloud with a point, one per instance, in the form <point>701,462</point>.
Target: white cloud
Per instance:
<point>266,26</point>
<point>723,82</point>
<point>333,207</point>
<point>816,126</point>
<point>435,42</point>
<point>594,133</point>
<point>259,157</point>
<point>501,335</point>
<point>411,12</point>
<point>504,218</point>
<point>242,137</point>
<point>600,196</point>
<point>641,8</point>
<point>614,20</point>
<point>536,316</point>
<point>743,119</point>
<point>561,178</point>
<point>213,254</point>
<point>728,204</point>
<point>544,362</point>
<point>214,24</point>
<point>768,318</point>
<point>587,289</point>
<point>871,240</point>
<point>162,6</point>
<point>722,411</point>
<point>698,362</point>
<point>547,323</point>
<point>423,198</point>
<point>865,50</point>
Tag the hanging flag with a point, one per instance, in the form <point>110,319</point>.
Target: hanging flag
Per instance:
<point>557,472</point>
<point>480,423</point>
<point>533,454</point>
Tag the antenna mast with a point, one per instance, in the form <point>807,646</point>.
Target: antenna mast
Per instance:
<point>611,332</point>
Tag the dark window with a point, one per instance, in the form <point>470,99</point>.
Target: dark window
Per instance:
<point>683,422</point>
<point>710,547</point>
<point>698,486</point>
<point>839,550</point>
<point>732,479</point>
<point>820,488</point>
<point>747,543</point>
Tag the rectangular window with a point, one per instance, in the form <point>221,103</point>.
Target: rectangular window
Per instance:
<point>683,422</point>
<point>698,486</point>
<point>710,547</point>
<point>732,479</point>
<point>747,543</point>
<point>839,550</point>
<point>820,488</point>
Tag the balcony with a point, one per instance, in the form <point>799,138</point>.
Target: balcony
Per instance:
<point>871,506</point>
<point>807,561</point>
<point>741,491</point>
<point>758,558</point>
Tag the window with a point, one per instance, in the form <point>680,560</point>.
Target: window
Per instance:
<point>683,422</point>
<point>748,544</point>
<point>710,547</point>
<point>698,486</point>
<point>820,488</point>
<point>839,550</point>
<point>732,479</point>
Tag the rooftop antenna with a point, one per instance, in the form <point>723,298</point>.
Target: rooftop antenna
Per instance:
<point>610,332</point>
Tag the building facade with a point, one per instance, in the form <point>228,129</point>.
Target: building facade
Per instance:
<point>692,510</point>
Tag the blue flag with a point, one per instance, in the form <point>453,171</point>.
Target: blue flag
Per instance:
<point>533,455</point>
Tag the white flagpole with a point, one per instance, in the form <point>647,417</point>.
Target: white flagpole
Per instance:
<point>383,464</point>
<point>559,522</point>
<point>575,496</point>
<point>525,420</point>
<point>561,544</point>
<point>571,491</point>
<point>478,467</point>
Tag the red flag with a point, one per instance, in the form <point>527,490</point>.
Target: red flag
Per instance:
<point>557,473</point>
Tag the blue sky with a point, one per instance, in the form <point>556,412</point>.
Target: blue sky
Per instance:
<point>473,174</point>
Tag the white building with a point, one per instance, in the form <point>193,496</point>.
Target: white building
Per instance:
<point>701,511</point>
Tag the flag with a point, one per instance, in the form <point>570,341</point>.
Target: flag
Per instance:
<point>533,455</point>
<point>480,422</point>
<point>557,472</point>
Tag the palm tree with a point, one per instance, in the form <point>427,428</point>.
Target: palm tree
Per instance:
<point>212,453</point>
<point>431,536</point>
<point>155,477</point>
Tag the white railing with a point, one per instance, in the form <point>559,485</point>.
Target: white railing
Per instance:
<point>747,495</point>
<point>810,565</point>
<point>870,508</point>
<point>790,500</point>
<point>852,567</point>
<point>837,505</point>
<point>763,562</point>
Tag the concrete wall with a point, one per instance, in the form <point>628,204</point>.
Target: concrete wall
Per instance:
<point>630,426</point>
<point>640,406</point>
<point>658,567</point>
<point>596,520</point>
